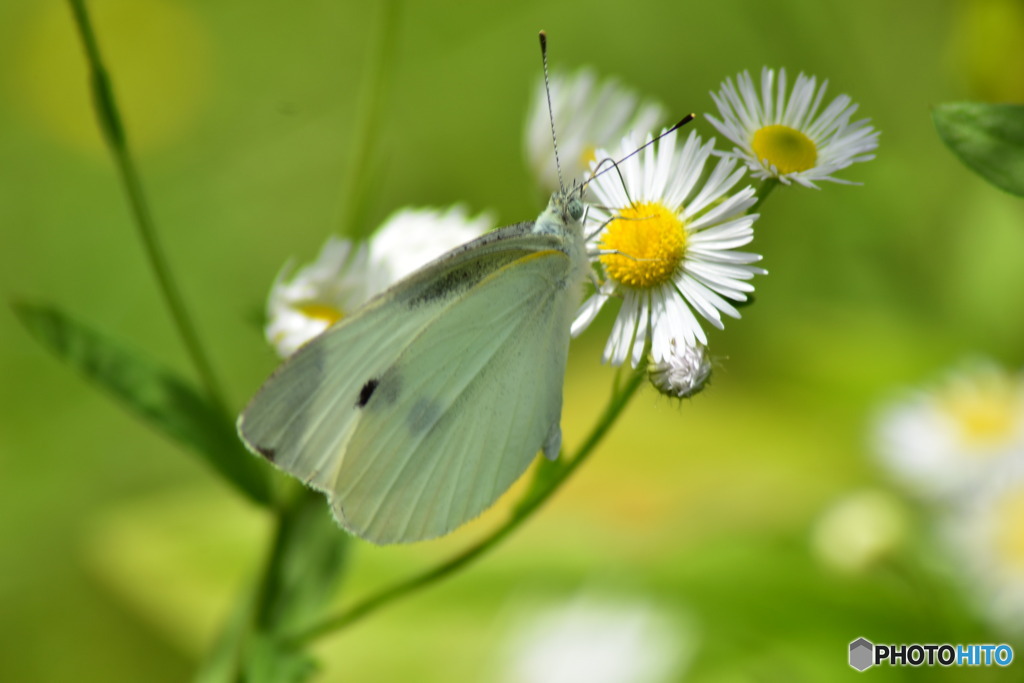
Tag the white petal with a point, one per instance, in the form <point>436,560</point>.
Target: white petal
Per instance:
<point>588,312</point>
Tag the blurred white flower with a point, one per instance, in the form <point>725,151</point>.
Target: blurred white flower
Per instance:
<point>666,238</point>
<point>345,276</point>
<point>302,306</point>
<point>683,373</point>
<point>590,641</point>
<point>949,439</point>
<point>589,114</point>
<point>859,530</point>
<point>789,139</point>
<point>411,238</point>
<point>986,535</point>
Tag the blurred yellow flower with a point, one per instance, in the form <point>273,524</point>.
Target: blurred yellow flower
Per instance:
<point>986,48</point>
<point>158,56</point>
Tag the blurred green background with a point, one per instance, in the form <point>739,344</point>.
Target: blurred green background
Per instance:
<point>121,554</point>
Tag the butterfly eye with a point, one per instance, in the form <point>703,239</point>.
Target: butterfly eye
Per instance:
<point>575,209</point>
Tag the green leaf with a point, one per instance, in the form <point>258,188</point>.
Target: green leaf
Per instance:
<point>153,393</point>
<point>988,138</point>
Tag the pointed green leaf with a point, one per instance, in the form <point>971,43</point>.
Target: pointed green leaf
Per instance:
<point>988,138</point>
<point>152,392</point>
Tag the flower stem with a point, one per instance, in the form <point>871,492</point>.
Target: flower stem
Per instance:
<point>117,140</point>
<point>376,79</point>
<point>375,85</point>
<point>766,188</point>
<point>533,501</point>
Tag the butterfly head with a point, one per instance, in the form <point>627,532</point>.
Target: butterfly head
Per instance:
<point>565,209</point>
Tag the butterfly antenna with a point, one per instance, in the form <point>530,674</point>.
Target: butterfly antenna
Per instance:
<point>551,111</point>
<point>614,165</point>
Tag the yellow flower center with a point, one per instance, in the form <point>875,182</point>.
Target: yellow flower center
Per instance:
<point>785,148</point>
<point>319,311</point>
<point>1009,537</point>
<point>986,412</point>
<point>650,242</point>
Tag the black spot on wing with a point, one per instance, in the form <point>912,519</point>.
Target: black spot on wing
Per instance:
<point>366,392</point>
<point>383,390</point>
<point>268,453</point>
<point>423,415</point>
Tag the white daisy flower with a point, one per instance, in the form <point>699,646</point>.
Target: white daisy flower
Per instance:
<point>953,437</point>
<point>597,641</point>
<point>303,305</point>
<point>986,539</point>
<point>344,276</point>
<point>789,139</point>
<point>683,373</point>
<point>666,243</point>
<point>589,114</point>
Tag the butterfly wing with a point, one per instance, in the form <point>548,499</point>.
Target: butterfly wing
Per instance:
<point>418,411</point>
<point>463,411</point>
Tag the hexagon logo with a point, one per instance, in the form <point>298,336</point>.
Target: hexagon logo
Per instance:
<point>861,654</point>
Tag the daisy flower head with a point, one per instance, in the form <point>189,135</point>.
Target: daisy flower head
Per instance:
<point>589,114</point>
<point>948,440</point>
<point>666,235</point>
<point>789,138</point>
<point>345,276</point>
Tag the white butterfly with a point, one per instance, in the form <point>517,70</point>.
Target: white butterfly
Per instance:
<point>415,413</point>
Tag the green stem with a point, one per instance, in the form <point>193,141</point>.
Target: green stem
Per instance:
<point>274,562</point>
<point>114,133</point>
<point>282,546</point>
<point>226,660</point>
<point>526,509</point>
<point>376,79</point>
<point>766,188</point>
